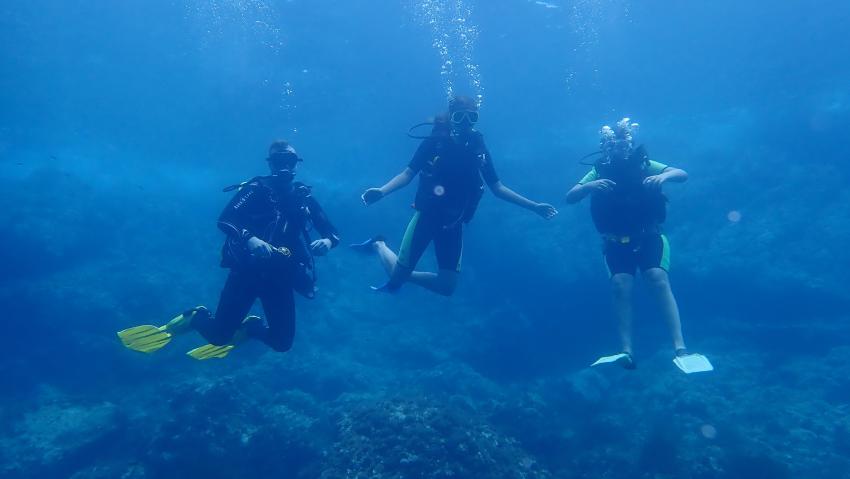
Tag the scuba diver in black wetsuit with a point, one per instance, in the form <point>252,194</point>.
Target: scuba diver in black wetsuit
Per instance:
<point>451,163</point>
<point>628,208</point>
<point>270,256</point>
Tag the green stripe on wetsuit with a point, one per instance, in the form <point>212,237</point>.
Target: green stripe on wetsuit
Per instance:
<point>665,254</point>
<point>424,229</point>
<point>404,252</point>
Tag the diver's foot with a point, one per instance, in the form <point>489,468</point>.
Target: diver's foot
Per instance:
<point>368,246</point>
<point>681,352</point>
<point>627,361</point>
<point>183,322</point>
<point>252,328</point>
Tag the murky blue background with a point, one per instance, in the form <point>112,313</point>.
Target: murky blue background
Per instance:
<point>120,122</point>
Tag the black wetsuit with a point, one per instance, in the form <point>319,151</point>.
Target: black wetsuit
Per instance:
<point>450,186</point>
<point>280,217</point>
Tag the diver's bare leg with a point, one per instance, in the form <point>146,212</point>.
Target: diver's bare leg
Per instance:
<point>443,283</point>
<point>388,258</point>
<point>621,292</point>
<point>659,283</point>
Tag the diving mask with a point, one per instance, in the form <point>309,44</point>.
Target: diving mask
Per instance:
<point>461,116</point>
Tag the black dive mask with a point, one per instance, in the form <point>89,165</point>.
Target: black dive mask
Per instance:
<point>282,160</point>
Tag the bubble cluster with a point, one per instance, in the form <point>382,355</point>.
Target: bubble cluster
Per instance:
<point>252,19</point>
<point>248,22</point>
<point>584,18</point>
<point>454,37</point>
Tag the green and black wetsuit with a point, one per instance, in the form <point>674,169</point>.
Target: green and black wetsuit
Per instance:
<point>629,217</point>
<point>450,171</point>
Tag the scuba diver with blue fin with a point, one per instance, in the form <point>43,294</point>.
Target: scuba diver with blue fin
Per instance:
<point>628,208</point>
<point>269,252</point>
<point>451,163</point>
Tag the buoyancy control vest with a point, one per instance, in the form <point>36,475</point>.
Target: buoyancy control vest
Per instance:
<point>450,183</point>
<point>282,219</point>
<point>630,208</point>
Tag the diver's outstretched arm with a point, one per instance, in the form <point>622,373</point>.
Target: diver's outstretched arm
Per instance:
<point>504,193</point>
<point>675,175</point>
<point>373,195</point>
<point>576,194</point>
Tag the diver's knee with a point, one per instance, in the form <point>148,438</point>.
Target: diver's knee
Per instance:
<point>281,341</point>
<point>281,346</point>
<point>448,282</point>
<point>401,273</point>
<point>621,284</point>
<point>657,278</point>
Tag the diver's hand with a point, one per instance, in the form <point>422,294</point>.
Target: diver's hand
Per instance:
<point>654,182</point>
<point>600,186</point>
<point>545,210</point>
<point>320,247</point>
<point>258,248</point>
<point>372,196</point>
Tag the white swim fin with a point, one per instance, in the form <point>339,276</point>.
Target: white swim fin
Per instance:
<point>693,363</point>
<point>610,359</point>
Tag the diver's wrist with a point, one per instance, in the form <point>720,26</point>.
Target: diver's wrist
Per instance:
<point>245,235</point>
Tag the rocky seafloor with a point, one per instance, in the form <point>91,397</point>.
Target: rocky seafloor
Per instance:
<point>311,415</point>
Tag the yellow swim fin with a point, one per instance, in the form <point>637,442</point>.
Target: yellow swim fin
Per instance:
<point>145,338</point>
<point>211,351</point>
<point>148,338</point>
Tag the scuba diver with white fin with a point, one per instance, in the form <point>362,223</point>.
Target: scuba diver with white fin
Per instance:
<point>269,252</point>
<point>628,208</point>
<point>451,163</point>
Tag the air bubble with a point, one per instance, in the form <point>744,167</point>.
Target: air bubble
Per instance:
<point>734,216</point>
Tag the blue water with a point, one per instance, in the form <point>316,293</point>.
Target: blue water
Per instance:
<point>120,123</point>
